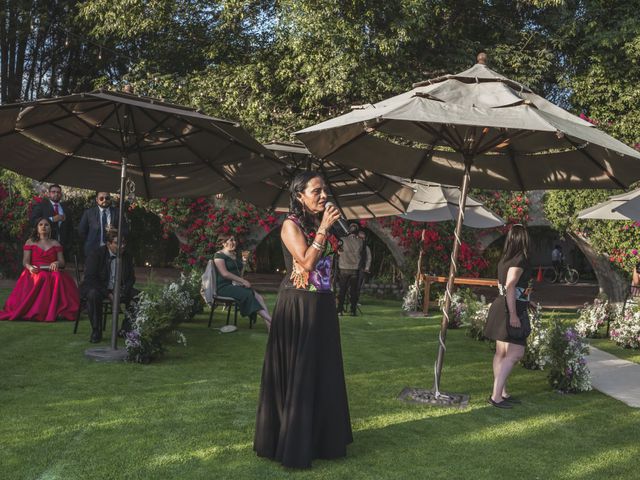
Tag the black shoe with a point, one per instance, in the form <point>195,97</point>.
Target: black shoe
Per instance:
<point>353,313</point>
<point>512,399</point>
<point>502,404</point>
<point>96,336</point>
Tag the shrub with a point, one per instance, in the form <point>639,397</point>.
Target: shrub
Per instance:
<point>464,305</point>
<point>158,312</point>
<point>413,298</point>
<point>625,330</point>
<point>568,371</point>
<point>535,355</point>
<point>593,316</point>
<point>477,321</point>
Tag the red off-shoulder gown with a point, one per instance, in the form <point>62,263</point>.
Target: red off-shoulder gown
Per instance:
<point>43,296</point>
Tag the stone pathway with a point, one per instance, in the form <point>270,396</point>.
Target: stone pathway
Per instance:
<point>615,377</point>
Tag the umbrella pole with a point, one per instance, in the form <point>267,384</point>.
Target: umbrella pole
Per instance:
<point>116,287</point>
<point>453,269</point>
<point>434,396</point>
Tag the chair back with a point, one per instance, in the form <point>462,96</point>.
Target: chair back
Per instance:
<point>208,288</point>
<point>77,269</point>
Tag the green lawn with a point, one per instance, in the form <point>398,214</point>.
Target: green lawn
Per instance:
<point>191,415</point>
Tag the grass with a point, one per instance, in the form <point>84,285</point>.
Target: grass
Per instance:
<point>191,415</point>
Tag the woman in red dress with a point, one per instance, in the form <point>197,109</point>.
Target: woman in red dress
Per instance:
<point>43,292</point>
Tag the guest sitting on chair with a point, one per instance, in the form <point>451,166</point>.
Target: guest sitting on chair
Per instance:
<point>229,281</point>
<point>43,292</point>
<point>99,282</point>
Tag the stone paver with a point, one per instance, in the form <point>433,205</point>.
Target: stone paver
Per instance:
<point>615,377</point>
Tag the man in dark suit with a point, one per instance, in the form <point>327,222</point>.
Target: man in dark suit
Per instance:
<point>99,282</point>
<point>97,220</point>
<point>58,214</point>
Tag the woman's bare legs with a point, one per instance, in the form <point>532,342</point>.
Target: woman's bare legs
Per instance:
<point>506,356</point>
<point>264,313</point>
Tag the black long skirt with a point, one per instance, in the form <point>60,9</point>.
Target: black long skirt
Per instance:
<point>303,412</point>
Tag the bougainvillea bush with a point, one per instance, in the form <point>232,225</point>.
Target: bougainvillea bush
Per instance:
<point>198,222</point>
<point>14,229</point>
<point>513,207</point>
<point>437,244</point>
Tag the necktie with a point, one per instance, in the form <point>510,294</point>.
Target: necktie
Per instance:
<point>55,209</point>
<point>104,225</point>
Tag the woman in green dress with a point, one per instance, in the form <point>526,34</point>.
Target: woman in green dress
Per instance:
<point>229,281</point>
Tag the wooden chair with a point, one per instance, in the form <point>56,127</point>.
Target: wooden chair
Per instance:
<point>107,308</point>
<point>209,292</point>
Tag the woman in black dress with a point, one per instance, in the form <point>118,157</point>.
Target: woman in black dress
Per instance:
<point>303,412</point>
<point>508,320</point>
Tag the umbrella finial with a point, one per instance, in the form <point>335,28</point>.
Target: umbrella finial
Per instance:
<point>482,58</point>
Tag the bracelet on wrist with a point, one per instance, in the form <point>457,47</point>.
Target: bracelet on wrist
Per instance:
<point>321,232</point>
<point>317,246</point>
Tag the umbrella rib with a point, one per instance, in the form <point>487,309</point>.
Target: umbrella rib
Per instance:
<point>145,174</point>
<point>219,172</point>
<point>516,170</point>
<point>374,190</point>
<point>94,128</point>
<point>46,122</point>
<point>437,134</point>
<point>93,131</point>
<point>594,161</point>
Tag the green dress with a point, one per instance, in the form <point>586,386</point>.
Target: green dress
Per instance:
<point>225,288</point>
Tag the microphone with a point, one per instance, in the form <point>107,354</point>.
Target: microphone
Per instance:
<point>341,227</point>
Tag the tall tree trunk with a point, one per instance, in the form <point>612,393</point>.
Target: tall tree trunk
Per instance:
<point>611,283</point>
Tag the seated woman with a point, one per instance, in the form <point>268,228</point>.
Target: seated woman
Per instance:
<point>229,281</point>
<point>43,292</point>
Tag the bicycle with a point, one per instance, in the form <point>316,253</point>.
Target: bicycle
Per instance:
<point>564,274</point>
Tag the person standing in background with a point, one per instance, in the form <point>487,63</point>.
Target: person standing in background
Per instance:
<point>97,221</point>
<point>58,214</point>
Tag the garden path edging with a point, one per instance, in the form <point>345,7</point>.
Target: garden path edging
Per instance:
<point>614,376</point>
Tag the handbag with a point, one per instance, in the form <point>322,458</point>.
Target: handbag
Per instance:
<point>524,330</point>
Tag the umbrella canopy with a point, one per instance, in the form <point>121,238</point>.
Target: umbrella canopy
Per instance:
<point>97,140</point>
<point>625,206</point>
<point>356,192</point>
<point>517,139</point>
<point>438,203</point>
<point>474,126</point>
<point>79,140</point>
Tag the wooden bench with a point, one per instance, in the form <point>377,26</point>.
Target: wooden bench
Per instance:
<point>429,279</point>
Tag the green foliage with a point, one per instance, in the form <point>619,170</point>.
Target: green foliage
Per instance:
<point>535,354</point>
<point>566,350</point>
<point>617,239</point>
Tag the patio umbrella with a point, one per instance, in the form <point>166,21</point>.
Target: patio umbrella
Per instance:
<point>625,206</point>
<point>356,192</point>
<point>476,125</point>
<point>95,140</point>
<point>433,202</point>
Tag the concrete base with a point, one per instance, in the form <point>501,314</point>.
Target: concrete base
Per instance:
<point>428,397</point>
<point>106,354</point>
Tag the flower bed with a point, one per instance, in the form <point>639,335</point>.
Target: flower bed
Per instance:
<point>625,330</point>
<point>594,316</point>
<point>536,355</point>
<point>568,371</point>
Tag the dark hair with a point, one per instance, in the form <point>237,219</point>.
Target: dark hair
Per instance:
<point>517,242</point>
<point>298,185</point>
<point>111,235</point>
<point>55,185</point>
<point>33,236</point>
<point>223,237</point>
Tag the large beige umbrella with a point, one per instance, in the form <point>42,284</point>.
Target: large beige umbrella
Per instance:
<point>474,126</point>
<point>356,192</point>
<point>625,206</point>
<point>433,202</point>
<point>103,139</point>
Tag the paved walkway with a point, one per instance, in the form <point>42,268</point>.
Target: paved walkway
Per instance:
<point>615,377</point>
